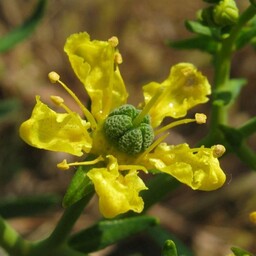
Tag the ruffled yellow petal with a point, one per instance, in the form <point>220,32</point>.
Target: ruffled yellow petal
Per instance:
<point>199,170</point>
<point>95,64</point>
<point>57,132</point>
<point>183,89</point>
<point>118,193</point>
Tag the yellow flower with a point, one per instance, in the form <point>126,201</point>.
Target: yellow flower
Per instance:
<point>124,138</point>
<point>252,217</point>
<point>117,193</point>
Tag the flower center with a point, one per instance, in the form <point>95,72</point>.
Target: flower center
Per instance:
<point>124,131</point>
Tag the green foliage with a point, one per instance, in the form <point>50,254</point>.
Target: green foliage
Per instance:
<point>7,107</point>
<point>27,206</point>
<point>22,32</point>
<point>218,30</point>
<point>170,248</point>
<point>107,232</point>
<point>240,252</point>
<point>79,187</point>
<point>160,235</point>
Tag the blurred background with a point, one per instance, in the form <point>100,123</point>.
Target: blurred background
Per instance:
<point>210,223</point>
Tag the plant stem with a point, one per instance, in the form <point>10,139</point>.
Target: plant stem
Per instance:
<point>11,241</point>
<point>59,235</point>
<point>248,128</point>
<point>222,74</point>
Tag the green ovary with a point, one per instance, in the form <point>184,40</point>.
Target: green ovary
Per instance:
<point>120,130</point>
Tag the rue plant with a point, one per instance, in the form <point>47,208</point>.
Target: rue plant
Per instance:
<point>115,142</point>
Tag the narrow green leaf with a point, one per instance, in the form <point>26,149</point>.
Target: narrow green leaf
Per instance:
<point>158,188</point>
<point>201,43</point>
<point>79,187</point>
<point>248,128</point>
<point>232,135</point>
<point>236,143</point>
<point>160,235</point>
<point>198,28</point>
<point>107,232</point>
<point>7,107</point>
<point>27,206</point>
<point>240,252</point>
<point>229,93</point>
<point>246,37</point>
<point>169,248</point>
<point>22,32</point>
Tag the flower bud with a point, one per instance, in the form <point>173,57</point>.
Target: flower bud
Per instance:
<point>226,13</point>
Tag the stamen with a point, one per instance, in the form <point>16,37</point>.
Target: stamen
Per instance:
<point>199,118</point>
<point>118,58</point>
<point>54,77</point>
<point>152,146</point>
<point>218,150</point>
<point>132,167</point>
<point>252,217</point>
<point>113,41</point>
<point>60,103</point>
<point>64,165</point>
<point>138,119</point>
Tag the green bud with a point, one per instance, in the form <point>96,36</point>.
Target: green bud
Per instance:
<point>226,13</point>
<point>121,131</point>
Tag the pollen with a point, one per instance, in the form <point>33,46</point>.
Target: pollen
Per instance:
<point>200,118</point>
<point>218,150</point>
<point>57,100</point>
<point>113,41</point>
<point>118,58</point>
<point>54,77</point>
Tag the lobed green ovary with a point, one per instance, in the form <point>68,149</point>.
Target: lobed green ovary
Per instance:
<point>120,130</point>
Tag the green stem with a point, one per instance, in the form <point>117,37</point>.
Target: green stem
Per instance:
<point>248,128</point>
<point>11,241</point>
<point>222,73</point>
<point>60,234</point>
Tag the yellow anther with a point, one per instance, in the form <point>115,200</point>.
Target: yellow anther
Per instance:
<point>252,217</point>
<point>118,58</point>
<point>54,77</point>
<point>113,41</point>
<point>57,100</point>
<point>64,165</point>
<point>218,150</point>
<point>200,118</point>
<point>60,103</point>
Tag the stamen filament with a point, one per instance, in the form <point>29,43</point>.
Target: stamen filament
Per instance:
<point>199,119</point>
<point>138,119</point>
<point>152,146</point>
<point>60,102</point>
<point>54,77</point>
<point>173,124</point>
<point>64,165</point>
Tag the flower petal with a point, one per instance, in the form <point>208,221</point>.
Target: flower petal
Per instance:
<point>117,193</point>
<point>94,64</point>
<point>57,132</point>
<point>198,170</point>
<point>183,89</point>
